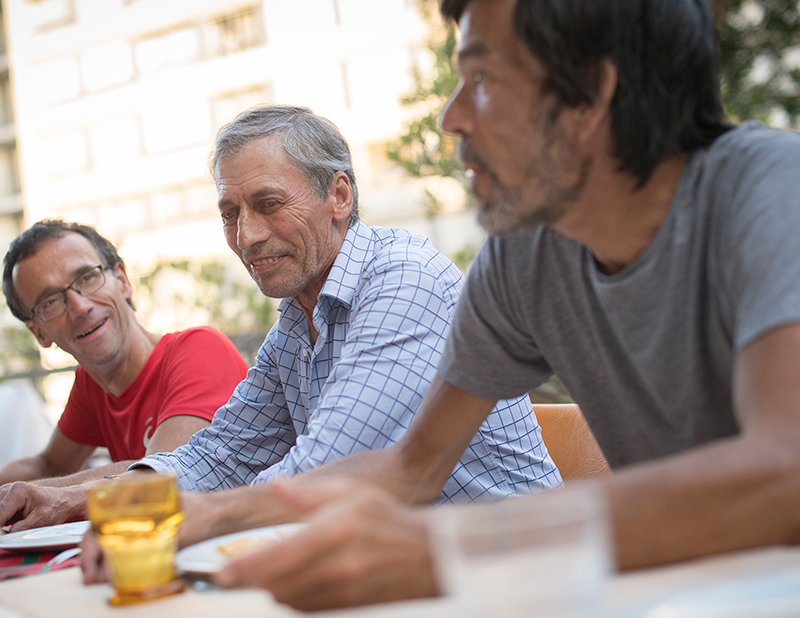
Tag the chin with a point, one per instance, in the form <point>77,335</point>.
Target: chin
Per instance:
<point>497,217</point>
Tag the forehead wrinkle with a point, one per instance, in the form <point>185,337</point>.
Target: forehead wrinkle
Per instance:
<point>255,195</point>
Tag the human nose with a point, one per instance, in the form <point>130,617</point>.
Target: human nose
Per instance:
<point>77,303</point>
<point>252,228</point>
<point>456,115</point>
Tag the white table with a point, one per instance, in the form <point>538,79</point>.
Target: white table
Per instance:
<point>653,593</point>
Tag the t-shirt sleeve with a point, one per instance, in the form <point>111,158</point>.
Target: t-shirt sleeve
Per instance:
<point>250,432</point>
<point>201,372</point>
<point>758,241</point>
<point>79,420</point>
<point>490,351</point>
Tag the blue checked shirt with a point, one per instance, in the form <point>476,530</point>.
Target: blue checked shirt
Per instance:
<point>382,317</point>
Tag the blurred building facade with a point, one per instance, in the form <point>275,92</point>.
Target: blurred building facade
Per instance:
<point>11,210</point>
<point>108,109</point>
<point>117,103</point>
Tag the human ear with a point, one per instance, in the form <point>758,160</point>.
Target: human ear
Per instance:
<point>342,194</point>
<point>593,115</point>
<point>43,339</point>
<point>121,275</point>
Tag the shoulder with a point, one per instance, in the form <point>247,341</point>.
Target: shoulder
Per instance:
<point>196,334</point>
<point>746,173</point>
<point>200,342</point>
<point>504,256</point>
<point>399,248</point>
<point>751,151</point>
<point>407,265</point>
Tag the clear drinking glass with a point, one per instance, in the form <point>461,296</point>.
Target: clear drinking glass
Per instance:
<point>136,522</point>
<point>546,555</point>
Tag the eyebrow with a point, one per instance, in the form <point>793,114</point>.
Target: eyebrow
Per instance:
<point>473,50</point>
<point>257,195</point>
<point>77,272</point>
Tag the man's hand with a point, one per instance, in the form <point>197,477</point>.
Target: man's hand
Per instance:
<point>92,563</point>
<point>28,506</point>
<point>364,547</point>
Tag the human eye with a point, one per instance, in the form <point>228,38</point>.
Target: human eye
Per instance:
<point>472,75</point>
<point>48,304</point>
<point>229,216</point>
<point>87,280</point>
<point>268,204</point>
<point>91,276</point>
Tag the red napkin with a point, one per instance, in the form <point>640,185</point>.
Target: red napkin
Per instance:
<point>13,564</point>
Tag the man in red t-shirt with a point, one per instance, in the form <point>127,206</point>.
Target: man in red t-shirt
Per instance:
<point>135,392</point>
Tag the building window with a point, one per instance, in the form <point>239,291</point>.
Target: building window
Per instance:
<point>49,14</point>
<point>164,49</point>
<point>234,33</point>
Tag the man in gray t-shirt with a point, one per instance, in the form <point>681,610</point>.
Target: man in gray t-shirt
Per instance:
<point>648,351</point>
<point>643,250</point>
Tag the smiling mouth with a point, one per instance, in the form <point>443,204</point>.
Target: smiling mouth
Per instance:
<point>90,331</point>
<point>265,261</point>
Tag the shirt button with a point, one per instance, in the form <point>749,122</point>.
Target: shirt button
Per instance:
<point>305,352</point>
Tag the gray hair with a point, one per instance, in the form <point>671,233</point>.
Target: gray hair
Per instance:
<point>314,145</point>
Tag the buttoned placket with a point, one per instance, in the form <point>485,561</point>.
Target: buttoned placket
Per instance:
<point>308,354</point>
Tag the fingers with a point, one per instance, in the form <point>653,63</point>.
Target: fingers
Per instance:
<point>92,560</point>
<point>14,505</point>
<point>365,548</point>
<point>30,506</point>
<point>307,494</point>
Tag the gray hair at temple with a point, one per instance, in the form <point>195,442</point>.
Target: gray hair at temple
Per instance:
<point>314,145</point>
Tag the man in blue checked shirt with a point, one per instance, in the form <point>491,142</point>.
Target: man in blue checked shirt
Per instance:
<point>363,319</point>
<point>362,326</point>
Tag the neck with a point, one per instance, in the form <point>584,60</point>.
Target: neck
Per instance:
<point>116,376</point>
<point>616,220</point>
<point>307,298</point>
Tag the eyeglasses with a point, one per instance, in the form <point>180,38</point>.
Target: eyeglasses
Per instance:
<point>52,306</point>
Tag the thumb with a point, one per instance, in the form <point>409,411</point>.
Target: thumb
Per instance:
<point>304,495</point>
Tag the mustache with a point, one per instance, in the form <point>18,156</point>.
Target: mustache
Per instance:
<point>467,155</point>
<point>263,249</point>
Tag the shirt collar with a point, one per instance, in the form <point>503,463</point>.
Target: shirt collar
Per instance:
<point>345,273</point>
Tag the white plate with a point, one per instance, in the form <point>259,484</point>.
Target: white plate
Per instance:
<point>206,557</point>
<point>773,595</point>
<point>61,536</point>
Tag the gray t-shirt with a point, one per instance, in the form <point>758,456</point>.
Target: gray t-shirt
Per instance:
<point>647,352</point>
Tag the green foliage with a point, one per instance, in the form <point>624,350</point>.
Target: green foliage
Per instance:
<point>760,80</point>
<point>19,352</point>
<point>760,52</point>
<point>424,150</point>
<point>464,258</point>
<point>175,295</point>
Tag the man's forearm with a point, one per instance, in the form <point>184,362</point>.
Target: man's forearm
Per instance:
<point>84,476</point>
<point>221,512</point>
<point>24,469</point>
<point>735,494</point>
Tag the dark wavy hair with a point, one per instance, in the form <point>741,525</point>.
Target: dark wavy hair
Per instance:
<point>28,243</point>
<point>667,100</point>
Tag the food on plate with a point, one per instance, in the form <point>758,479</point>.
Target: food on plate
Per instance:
<point>247,544</point>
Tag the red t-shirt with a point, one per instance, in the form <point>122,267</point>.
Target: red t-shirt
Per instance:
<point>192,372</point>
